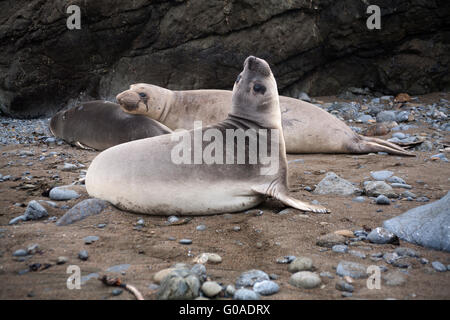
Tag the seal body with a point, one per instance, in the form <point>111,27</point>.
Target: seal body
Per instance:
<point>101,124</point>
<point>145,176</point>
<point>306,127</point>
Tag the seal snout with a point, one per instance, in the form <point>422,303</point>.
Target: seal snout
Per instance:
<point>128,100</point>
<point>257,65</point>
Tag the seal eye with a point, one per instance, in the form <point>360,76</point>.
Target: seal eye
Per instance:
<point>142,95</point>
<point>259,88</point>
<point>238,78</point>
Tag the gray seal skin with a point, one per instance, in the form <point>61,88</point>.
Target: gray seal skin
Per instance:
<point>306,127</point>
<point>100,125</point>
<point>141,176</point>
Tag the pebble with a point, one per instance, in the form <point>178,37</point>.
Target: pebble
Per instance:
<point>249,278</point>
<point>330,239</point>
<point>381,236</point>
<point>211,288</point>
<point>381,175</point>
<point>334,185</point>
<point>401,185</point>
<point>185,241</point>
<point>63,193</point>
<point>376,188</point>
<point>200,227</point>
<point>180,284</point>
<point>20,253</point>
<point>83,255</point>
<point>351,269</point>
<point>35,211</point>
<point>230,290</point>
<point>32,249</point>
<point>401,251</point>
<point>438,266</point>
<point>245,294</point>
<point>300,264</point>
<point>382,199</point>
<point>117,292</point>
<point>266,287</point>
<point>90,239</point>
<point>173,219</point>
<point>357,254</point>
<point>305,280</point>
<point>340,248</point>
<point>424,261</point>
<point>395,179</point>
<point>341,285</point>
<point>390,257</point>
<point>359,199</point>
<point>69,167</point>
<point>62,260</point>
<point>326,275</point>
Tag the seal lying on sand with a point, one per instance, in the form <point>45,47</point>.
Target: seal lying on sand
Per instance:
<point>101,124</point>
<point>307,128</point>
<point>147,176</point>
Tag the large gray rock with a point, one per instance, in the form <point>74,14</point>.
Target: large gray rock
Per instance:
<point>427,225</point>
<point>202,44</point>
<point>82,210</point>
<point>333,184</point>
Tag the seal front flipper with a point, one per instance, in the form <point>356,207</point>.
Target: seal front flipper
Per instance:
<point>274,191</point>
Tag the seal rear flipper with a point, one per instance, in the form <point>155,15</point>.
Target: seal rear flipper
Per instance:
<point>367,144</point>
<point>272,191</point>
<point>82,146</point>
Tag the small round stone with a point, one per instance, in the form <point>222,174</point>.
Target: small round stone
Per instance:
<point>211,288</point>
<point>20,253</point>
<point>90,239</point>
<point>245,294</point>
<point>117,292</point>
<point>305,280</point>
<point>201,227</point>
<point>300,264</point>
<point>340,248</point>
<point>382,199</point>
<point>438,266</point>
<point>83,255</point>
<point>266,287</point>
<point>62,260</point>
<point>341,285</point>
<point>185,241</point>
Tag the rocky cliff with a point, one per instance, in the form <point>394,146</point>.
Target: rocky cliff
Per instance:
<point>317,46</point>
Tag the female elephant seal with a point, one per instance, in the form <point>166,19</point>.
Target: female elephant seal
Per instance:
<point>100,125</point>
<point>307,128</point>
<point>150,175</point>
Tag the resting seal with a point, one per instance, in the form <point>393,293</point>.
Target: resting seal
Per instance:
<point>146,176</point>
<point>101,124</point>
<point>307,128</point>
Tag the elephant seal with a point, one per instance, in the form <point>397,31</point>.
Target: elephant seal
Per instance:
<point>147,176</point>
<point>101,124</point>
<point>307,128</point>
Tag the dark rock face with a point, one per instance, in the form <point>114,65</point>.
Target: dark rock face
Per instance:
<point>319,47</point>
